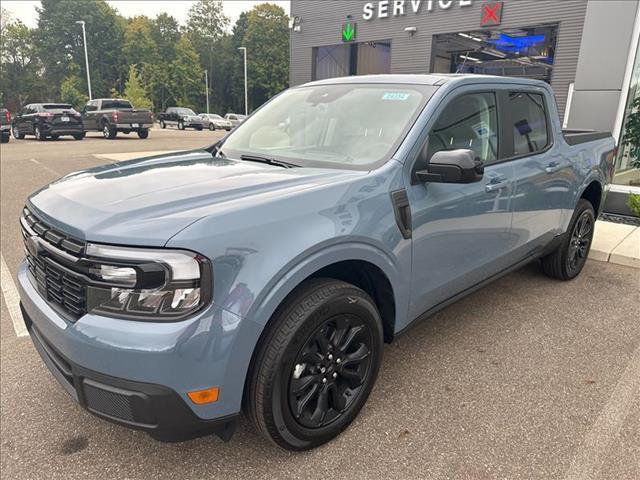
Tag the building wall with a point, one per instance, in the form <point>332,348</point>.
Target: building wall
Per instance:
<point>602,63</point>
<point>322,22</point>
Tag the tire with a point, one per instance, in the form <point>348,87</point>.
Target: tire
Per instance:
<point>320,312</point>
<point>79,136</point>
<point>568,260</point>
<point>55,137</point>
<point>143,134</point>
<point>180,125</point>
<point>16,133</point>
<point>162,124</point>
<point>212,127</point>
<point>39,135</point>
<point>198,128</point>
<point>108,132</point>
<point>5,137</point>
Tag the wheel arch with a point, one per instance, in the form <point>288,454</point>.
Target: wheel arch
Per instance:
<point>593,193</point>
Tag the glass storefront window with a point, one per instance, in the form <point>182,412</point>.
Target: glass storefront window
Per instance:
<point>364,58</point>
<point>628,161</point>
<point>515,52</point>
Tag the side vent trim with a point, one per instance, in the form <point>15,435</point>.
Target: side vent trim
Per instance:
<point>402,212</point>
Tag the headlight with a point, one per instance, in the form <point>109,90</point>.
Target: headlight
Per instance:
<point>146,284</point>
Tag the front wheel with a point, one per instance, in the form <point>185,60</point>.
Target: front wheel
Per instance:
<point>143,134</point>
<point>315,367</point>
<point>5,137</point>
<point>212,127</point>
<point>162,124</point>
<point>180,125</point>
<point>567,261</point>
<point>79,136</point>
<point>16,133</point>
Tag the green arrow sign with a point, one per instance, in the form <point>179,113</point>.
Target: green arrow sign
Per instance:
<point>348,32</point>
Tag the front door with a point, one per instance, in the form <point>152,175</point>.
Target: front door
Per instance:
<point>461,232</point>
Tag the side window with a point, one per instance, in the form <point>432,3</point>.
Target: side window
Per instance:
<point>529,119</point>
<point>170,110</point>
<point>470,122</point>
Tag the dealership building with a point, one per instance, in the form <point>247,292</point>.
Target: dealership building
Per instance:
<point>586,50</point>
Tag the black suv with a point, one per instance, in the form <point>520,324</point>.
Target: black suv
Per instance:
<point>44,120</point>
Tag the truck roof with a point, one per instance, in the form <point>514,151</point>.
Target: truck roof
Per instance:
<point>431,79</point>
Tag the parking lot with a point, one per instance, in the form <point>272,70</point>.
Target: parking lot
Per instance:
<point>528,378</point>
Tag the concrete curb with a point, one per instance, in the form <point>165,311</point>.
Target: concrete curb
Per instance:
<point>616,243</point>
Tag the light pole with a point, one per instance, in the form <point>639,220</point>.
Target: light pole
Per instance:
<point>86,55</point>
<point>206,82</point>
<point>246,94</point>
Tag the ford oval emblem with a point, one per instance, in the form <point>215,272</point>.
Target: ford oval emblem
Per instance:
<point>33,245</point>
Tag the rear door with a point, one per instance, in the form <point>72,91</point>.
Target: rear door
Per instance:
<point>543,175</point>
<point>460,232</point>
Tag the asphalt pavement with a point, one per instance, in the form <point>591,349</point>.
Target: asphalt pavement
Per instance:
<point>528,378</point>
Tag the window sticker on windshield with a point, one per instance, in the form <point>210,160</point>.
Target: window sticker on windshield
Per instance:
<point>395,96</point>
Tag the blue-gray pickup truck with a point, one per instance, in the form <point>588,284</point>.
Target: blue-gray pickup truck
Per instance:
<point>264,273</point>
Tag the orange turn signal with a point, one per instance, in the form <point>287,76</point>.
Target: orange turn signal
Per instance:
<point>202,397</point>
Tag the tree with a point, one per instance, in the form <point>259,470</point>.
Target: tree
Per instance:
<point>206,25</point>
<point>73,88</point>
<point>20,81</point>
<point>186,77</point>
<point>139,45</point>
<point>134,92</point>
<point>267,42</point>
<point>59,43</point>
<point>631,137</point>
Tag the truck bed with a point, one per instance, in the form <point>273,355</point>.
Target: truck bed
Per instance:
<point>576,137</point>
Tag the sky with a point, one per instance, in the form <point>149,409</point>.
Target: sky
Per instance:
<point>25,10</point>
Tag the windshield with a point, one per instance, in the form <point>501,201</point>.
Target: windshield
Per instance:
<point>215,117</point>
<point>115,104</point>
<point>185,111</point>
<point>340,126</point>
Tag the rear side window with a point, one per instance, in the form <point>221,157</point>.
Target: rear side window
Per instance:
<point>529,122</point>
<point>468,122</point>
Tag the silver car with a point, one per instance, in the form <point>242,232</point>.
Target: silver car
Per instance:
<point>235,118</point>
<point>214,121</point>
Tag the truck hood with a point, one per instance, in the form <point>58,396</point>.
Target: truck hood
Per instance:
<point>147,201</point>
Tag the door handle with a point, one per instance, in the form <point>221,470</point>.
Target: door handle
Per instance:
<point>553,167</point>
<point>496,183</point>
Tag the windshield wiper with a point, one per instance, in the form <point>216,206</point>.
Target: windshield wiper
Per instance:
<point>268,161</point>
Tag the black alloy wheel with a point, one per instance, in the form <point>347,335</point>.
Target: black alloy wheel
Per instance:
<point>315,365</point>
<point>568,260</point>
<point>330,370</point>
<point>580,243</point>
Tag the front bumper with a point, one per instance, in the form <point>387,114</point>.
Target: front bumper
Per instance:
<point>156,409</point>
<point>138,374</point>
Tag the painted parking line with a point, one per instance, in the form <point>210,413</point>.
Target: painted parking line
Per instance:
<point>42,165</point>
<point>590,457</point>
<point>12,299</point>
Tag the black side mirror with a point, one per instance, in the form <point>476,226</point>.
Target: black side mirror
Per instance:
<point>452,166</point>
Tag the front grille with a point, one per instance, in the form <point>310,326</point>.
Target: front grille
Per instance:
<point>51,264</point>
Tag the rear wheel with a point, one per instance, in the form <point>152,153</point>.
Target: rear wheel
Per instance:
<point>5,137</point>
<point>79,136</point>
<point>108,132</point>
<point>55,137</point>
<point>162,124</point>
<point>570,257</point>
<point>316,366</point>
<point>40,136</point>
<point>143,133</point>
<point>180,125</point>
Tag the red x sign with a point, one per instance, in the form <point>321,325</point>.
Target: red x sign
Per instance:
<point>491,13</point>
